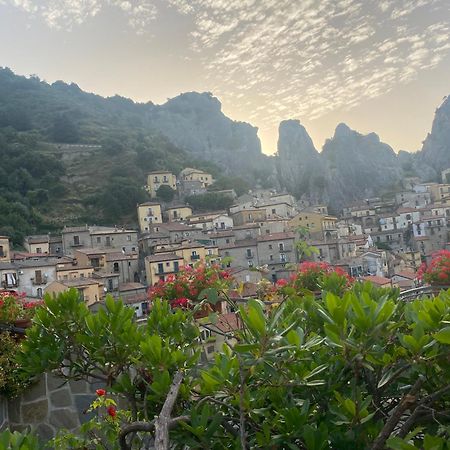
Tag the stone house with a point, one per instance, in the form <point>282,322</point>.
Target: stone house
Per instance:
<point>178,213</point>
<point>98,237</point>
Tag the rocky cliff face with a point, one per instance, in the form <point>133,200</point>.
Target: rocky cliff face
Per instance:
<point>351,166</point>
<point>195,122</point>
<point>299,165</point>
<point>435,153</point>
<point>358,166</point>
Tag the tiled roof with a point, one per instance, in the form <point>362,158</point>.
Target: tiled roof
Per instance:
<point>276,236</point>
<point>380,281</point>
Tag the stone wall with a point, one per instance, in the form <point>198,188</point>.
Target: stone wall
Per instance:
<point>48,406</point>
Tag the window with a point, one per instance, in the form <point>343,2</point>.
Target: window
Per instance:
<point>160,268</point>
<point>38,250</point>
<point>281,247</point>
<point>76,240</point>
<point>108,241</point>
<point>39,292</point>
<point>176,266</point>
<point>249,253</point>
<point>116,267</point>
<point>155,179</point>
<point>270,247</point>
<point>250,263</point>
<point>167,264</point>
<point>282,257</point>
<point>38,277</point>
<point>271,257</point>
<point>129,237</point>
<point>165,179</point>
<point>274,211</point>
<point>2,253</point>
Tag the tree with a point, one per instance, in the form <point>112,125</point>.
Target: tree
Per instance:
<point>360,370</point>
<point>211,201</point>
<point>165,193</point>
<point>65,130</point>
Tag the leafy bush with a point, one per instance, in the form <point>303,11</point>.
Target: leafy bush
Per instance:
<point>358,370</point>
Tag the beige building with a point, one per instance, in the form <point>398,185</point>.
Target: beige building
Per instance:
<point>178,213</point>
<point>159,266</point>
<point>160,178</point>
<point>4,249</point>
<point>125,265</point>
<point>90,290</point>
<point>251,215</point>
<point>317,224</point>
<point>190,174</point>
<point>148,213</point>
<point>37,244</point>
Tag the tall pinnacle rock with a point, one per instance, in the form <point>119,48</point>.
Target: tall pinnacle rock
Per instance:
<point>436,147</point>
<point>298,162</point>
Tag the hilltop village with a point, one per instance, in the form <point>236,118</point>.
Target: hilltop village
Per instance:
<point>263,234</point>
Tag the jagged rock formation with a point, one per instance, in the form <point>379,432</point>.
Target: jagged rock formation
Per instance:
<point>435,153</point>
<point>195,123</point>
<point>298,163</point>
<point>351,165</point>
<point>358,166</point>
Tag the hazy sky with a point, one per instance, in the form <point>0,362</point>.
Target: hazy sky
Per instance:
<point>380,66</point>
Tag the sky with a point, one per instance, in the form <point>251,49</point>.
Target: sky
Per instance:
<point>381,66</point>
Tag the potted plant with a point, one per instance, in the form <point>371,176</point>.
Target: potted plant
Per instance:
<point>26,314</point>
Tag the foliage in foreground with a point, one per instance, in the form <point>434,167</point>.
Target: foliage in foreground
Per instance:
<point>363,370</point>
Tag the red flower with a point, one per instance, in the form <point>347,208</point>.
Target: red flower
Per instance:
<point>112,411</point>
<point>281,283</point>
<point>100,392</point>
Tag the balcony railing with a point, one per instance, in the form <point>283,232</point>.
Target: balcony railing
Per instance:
<point>195,257</point>
<point>38,281</point>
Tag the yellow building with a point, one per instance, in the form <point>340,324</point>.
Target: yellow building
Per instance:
<point>148,214</point>
<point>160,265</point>
<point>160,178</point>
<point>190,174</point>
<point>314,222</point>
<point>178,213</point>
<point>251,215</point>
<point>37,244</point>
<point>5,255</point>
<point>90,290</point>
<point>73,272</point>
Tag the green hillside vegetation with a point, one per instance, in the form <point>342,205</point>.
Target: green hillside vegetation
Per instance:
<point>70,157</point>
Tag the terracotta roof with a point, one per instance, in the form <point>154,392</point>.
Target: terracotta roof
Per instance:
<point>228,322</point>
<point>276,236</point>
<point>380,281</point>
<point>405,274</point>
<point>163,257</point>
<point>240,243</point>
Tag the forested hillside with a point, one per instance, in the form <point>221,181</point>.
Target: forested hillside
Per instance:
<point>70,157</point>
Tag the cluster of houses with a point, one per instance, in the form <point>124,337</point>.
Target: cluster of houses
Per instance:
<point>262,235</point>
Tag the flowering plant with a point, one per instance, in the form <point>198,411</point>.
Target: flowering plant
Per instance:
<point>10,306</point>
<point>314,276</point>
<point>438,271</point>
<point>184,288</point>
<point>13,306</point>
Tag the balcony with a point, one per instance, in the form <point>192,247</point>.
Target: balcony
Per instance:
<point>249,255</point>
<point>38,281</point>
<point>195,257</point>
